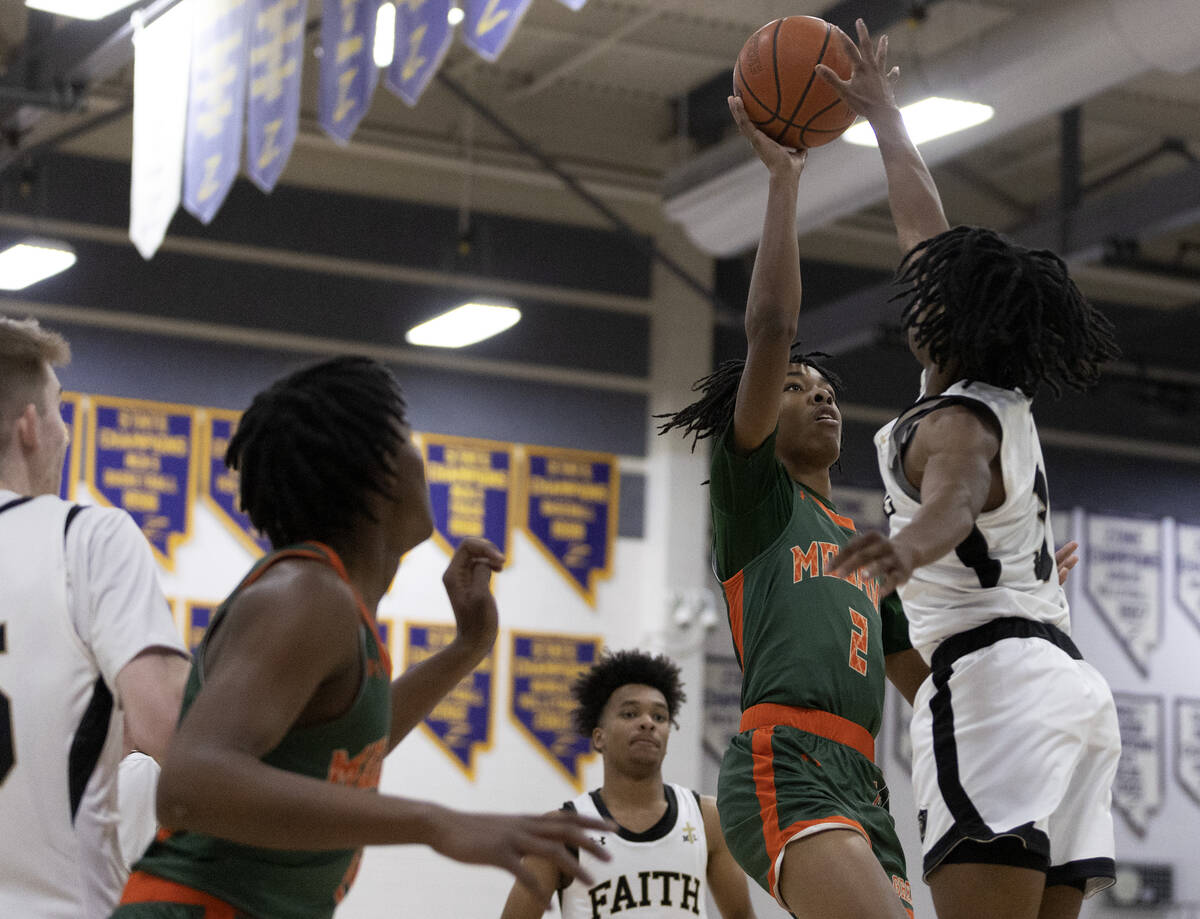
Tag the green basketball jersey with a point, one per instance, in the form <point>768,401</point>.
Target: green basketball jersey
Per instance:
<point>803,637</point>
<point>271,883</point>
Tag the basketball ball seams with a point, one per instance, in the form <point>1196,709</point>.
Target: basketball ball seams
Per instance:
<point>775,68</point>
<point>790,122</point>
<point>743,86</point>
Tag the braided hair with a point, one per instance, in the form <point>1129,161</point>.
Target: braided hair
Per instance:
<point>621,668</point>
<point>710,415</point>
<point>1002,314</point>
<point>312,447</point>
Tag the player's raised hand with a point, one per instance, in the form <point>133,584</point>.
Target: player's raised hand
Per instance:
<point>870,89</point>
<point>890,561</point>
<point>778,159</point>
<point>503,841</point>
<point>1066,559</point>
<point>468,583</point>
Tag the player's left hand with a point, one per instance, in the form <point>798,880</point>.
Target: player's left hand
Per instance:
<point>870,91</point>
<point>891,562</point>
<point>468,583</point>
<point>1066,559</point>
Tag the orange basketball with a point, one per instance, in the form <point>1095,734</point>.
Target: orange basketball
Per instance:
<point>783,95</point>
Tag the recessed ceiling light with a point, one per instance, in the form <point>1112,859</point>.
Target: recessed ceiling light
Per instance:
<point>385,35</point>
<point>930,118</point>
<point>464,325</point>
<point>79,9</point>
<point>33,260</point>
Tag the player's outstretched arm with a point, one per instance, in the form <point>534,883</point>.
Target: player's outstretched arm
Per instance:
<point>531,900</point>
<point>773,304</point>
<point>726,880</point>
<point>468,585</point>
<point>913,196</point>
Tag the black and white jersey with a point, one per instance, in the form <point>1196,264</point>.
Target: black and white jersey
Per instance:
<point>1005,566</point>
<point>657,874</point>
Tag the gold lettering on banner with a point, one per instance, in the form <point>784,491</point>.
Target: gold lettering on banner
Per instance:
<point>490,18</point>
<point>415,60</point>
<point>269,85</point>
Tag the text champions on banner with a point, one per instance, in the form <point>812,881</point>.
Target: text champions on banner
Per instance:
<point>72,410</point>
<point>542,667</point>
<point>469,486</point>
<point>461,723</point>
<point>569,510</point>
<point>143,457</point>
<point>219,484</point>
<point>273,108</point>
<point>348,71</point>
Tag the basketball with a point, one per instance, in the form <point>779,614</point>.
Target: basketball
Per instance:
<point>784,97</point>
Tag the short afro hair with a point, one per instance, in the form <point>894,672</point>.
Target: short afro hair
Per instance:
<point>621,668</point>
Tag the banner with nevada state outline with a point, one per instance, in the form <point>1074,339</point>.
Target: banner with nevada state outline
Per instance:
<point>273,107</point>
<point>1187,746</point>
<point>470,483</point>
<point>1122,579</point>
<point>542,667</point>
<point>219,483</point>
<point>1187,570</point>
<point>348,71</point>
<point>423,36</point>
<point>1138,789</point>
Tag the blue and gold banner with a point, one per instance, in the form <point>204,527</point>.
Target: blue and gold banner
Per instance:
<point>542,668</point>
<point>196,619</point>
<point>219,484</point>
<point>461,723</point>
<point>348,71</point>
<point>216,103</point>
<point>72,416</point>
<point>385,630</point>
<point>570,511</point>
<point>142,457</point>
<point>489,24</point>
<point>423,36</point>
<point>273,108</point>
<point>469,485</point>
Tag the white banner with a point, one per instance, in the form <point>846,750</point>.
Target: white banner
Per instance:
<point>1187,746</point>
<point>1138,791</point>
<point>722,702</point>
<point>161,62</point>
<point>1122,577</point>
<point>1187,569</point>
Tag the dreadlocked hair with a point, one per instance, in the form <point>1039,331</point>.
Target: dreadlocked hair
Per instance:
<point>710,415</point>
<point>1002,314</point>
<point>621,668</point>
<point>312,447</point>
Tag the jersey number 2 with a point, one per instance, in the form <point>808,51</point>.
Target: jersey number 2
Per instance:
<point>858,642</point>
<point>7,757</point>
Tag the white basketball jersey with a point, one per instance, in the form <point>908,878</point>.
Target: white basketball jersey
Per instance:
<point>658,874</point>
<point>60,734</point>
<point>1005,567</point>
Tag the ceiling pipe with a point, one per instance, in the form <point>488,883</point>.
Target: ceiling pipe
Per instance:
<point>1036,64</point>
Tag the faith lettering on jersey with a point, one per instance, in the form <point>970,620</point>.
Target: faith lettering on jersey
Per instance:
<point>817,560</point>
<point>649,888</point>
<point>361,771</point>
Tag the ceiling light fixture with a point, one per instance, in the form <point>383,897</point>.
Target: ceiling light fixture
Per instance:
<point>385,35</point>
<point>79,9</point>
<point>33,260</point>
<point>455,15</point>
<point>928,119</point>
<point>464,325</point>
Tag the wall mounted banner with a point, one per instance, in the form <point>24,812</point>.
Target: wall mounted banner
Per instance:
<point>489,24</point>
<point>1187,570</point>
<point>570,511</point>
<point>423,36</point>
<point>722,703</point>
<point>216,104</point>
<point>1122,581</point>
<point>273,108</point>
<point>72,416</point>
<point>542,668</point>
<point>219,483</point>
<point>1138,789</point>
<point>1187,746</point>
<point>348,70</point>
<point>469,486</point>
<point>461,723</point>
<point>196,619</point>
<point>142,456</point>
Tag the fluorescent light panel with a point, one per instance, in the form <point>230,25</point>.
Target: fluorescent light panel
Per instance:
<point>385,35</point>
<point>464,325</point>
<point>79,9</point>
<point>33,260</point>
<point>928,119</point>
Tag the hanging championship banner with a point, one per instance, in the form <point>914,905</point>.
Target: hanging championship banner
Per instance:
<point>542,668</point>
<point>72,415</point>
<point>722,703</point>
<point>196,619</point>
<point>216,104</point>
<point>461,723</point>
<point>141,456</point>
<point>1121,577</point>
<point>219,483</point>
<point>423,36</point>
<point>489,24</point>
<point>1187,570</point>
<point>162,57</point>
<point>273,107</point>
<point>902,728</point>
<point>569,502</point>
<point>348,71</point>
<point>1137,791</point>
<point>469,485</point>
<point>1187,746</point>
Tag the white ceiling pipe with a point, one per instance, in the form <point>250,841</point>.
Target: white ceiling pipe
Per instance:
<point>1034,65</point>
